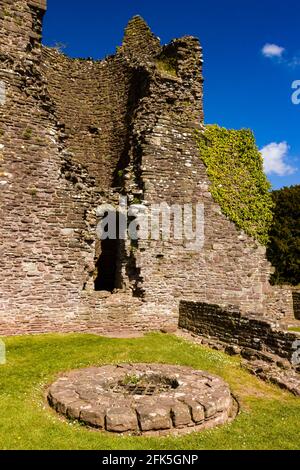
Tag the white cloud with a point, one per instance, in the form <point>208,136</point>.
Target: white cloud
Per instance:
<point>274,155</point>
<point>272,50</point>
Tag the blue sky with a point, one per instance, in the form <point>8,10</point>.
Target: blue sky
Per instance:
<point>244,87</point>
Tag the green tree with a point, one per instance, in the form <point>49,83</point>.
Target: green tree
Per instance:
<point>284,246</point>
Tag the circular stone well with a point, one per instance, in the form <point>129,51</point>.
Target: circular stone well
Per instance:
<point>143,398</point>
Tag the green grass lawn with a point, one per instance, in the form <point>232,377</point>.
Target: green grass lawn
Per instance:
<point>269,417</point>
<point>295,329</point>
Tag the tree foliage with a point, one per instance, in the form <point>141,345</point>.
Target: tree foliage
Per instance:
<point>284,247</point>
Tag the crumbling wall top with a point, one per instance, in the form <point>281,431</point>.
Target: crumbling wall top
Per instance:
<point>21,26</point>
<point>139,42</point>
<point>41,4</point>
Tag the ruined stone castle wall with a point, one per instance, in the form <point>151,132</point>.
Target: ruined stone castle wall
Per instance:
<point>77,133</point>
<point>230,268</point>
<point>21,26</point>
<point>64,134</point>
<point>41,264</point>
<point>92,102</point>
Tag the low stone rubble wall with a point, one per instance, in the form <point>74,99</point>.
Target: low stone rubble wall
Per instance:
<point>229,325</point>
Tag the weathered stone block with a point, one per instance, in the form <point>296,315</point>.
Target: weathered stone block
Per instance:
<point>121,420</point>
<point>209,405</point>
<point>94,416</point>
<point>181,415</point>
<point>151,419</point>
<point>197,410</point>
<point>74,409</point>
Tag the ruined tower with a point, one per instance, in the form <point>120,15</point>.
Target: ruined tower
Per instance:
<point>76,134</point>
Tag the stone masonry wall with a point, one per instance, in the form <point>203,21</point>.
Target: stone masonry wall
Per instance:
<point>77,133</point>
<point>41,262</point>
<point>279,303</point>
<point>64,138</point>
<point>231,268</point>
<point>231,326</point>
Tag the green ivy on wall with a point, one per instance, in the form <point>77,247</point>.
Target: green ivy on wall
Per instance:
<point>239,185</point>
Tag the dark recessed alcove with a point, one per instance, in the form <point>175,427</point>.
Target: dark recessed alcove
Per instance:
<point>106,266</point>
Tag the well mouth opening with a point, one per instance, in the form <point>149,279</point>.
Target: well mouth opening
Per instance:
<point>144,385</point>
